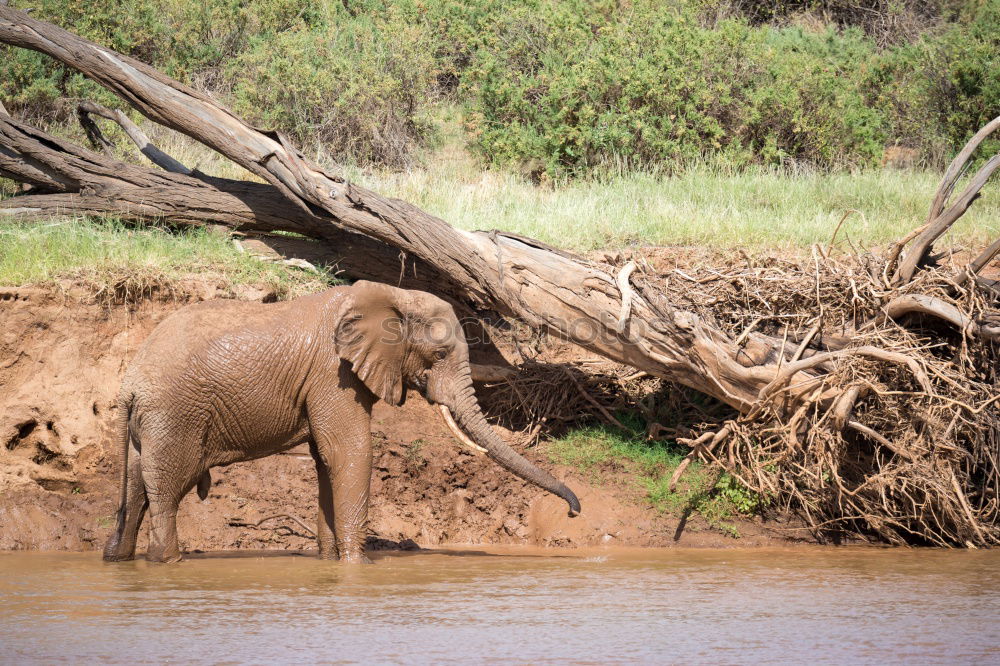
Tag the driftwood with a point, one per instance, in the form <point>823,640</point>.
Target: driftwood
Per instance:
<point>797,389</point>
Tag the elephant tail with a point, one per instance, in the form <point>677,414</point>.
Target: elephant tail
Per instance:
<point>125,401</point>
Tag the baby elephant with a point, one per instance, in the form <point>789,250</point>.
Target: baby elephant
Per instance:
<point>223,381</point>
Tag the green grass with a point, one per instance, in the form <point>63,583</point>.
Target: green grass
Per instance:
<point>756,209</point>
<point>753,208</point>
<point>99,250</point>
<point>597,449</point>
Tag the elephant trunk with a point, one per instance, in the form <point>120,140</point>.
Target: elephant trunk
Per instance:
<point>472,425</point>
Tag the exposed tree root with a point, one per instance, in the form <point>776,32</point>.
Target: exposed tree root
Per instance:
<point>892,435</point>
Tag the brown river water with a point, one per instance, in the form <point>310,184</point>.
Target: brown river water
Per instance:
<point>508,606</point>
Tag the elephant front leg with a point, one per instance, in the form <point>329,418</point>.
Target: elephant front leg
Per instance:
<point>340,421</point>
<point>324,519</point>
<point>351,482</point>
<point>349,467</point>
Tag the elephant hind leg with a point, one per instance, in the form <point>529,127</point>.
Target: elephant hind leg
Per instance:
<point>165,491</point>
<point>121,546</point>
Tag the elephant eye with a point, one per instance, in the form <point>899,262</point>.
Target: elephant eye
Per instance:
<point>440,354</point>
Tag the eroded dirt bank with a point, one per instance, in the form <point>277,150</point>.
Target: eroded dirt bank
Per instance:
<point>62,353</point>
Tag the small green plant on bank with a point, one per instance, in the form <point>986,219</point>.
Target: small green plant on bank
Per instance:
<point>100,251</point>
<point>596,450</point>
<point>414,453</point>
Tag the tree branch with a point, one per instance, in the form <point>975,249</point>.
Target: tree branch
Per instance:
<point>87,108</point>
<point>935,307</point>
<point>576,300</point>
<point>940,220</point>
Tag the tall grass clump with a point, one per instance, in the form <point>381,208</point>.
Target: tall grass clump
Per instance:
<point>751,208</point>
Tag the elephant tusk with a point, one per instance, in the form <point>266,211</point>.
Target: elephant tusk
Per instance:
<point>457,432</point>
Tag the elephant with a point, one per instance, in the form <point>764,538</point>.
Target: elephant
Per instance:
<point>220,382</point>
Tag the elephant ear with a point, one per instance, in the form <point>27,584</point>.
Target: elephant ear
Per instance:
<point>370,335</point>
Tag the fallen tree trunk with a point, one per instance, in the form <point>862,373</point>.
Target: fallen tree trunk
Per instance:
<point>816,399</point>
<point>80,182</point>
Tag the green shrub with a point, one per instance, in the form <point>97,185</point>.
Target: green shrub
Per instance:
<point>561,87</point>
<point>185,39</point>
<point>357,89</point>
<point>941,89</point>
<point>651,86</point>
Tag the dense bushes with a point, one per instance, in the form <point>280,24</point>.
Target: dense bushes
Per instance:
<point>352,90</point>
<point>565,87</point>
<point>942,88</point>
<point>655,88</point>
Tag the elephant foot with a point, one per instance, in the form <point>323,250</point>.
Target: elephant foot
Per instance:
<point>119,550</point>
<point>327,554</point>
<point>114,557</point>
<point>357,558</point>
<point>114,552</point>
<point>157,558</point>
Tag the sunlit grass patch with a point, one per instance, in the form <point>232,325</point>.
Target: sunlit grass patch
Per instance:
<point>102,250</point>
<point>753,208</point>
<point>756,209</point>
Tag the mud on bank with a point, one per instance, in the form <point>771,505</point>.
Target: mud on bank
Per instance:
<point>63,350</point>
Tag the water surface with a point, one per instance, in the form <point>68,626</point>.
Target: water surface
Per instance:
<point>508,606</point>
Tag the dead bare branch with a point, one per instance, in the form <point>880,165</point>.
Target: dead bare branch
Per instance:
<point>698,448</point>
<point>935,307</point>
<point>239,522</point>
<point>86,109</point>
<point>940,220</point>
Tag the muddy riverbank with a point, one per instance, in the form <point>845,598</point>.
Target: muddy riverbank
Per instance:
<point>62,352</point>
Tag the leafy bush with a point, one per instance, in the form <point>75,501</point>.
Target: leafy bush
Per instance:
<point>561,88</point>
<point>651,86</point>
<point>941,89</point>
<point>185,39</point>
<point>355,89</point>
<point>355,83</point>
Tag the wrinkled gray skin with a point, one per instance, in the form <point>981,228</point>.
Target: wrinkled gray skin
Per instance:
<point>222,381</point>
